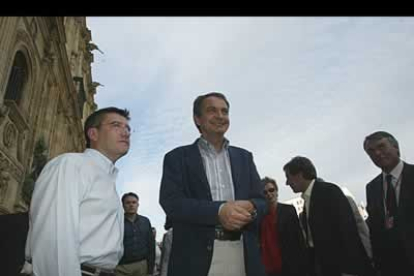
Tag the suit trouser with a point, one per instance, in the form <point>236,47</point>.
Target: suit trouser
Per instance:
<point>139,268</point>
<point>228,259</point>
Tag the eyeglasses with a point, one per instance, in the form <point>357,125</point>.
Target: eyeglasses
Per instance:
<point>271,190</point>
<point>118,126</point>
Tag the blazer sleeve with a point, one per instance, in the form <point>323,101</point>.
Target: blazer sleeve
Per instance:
<point>356,258</point>
<point>256,193</point>
<point>174,197</point>
<point>151,250</point>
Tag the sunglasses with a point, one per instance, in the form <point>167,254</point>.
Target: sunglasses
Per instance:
<point>271,190</point>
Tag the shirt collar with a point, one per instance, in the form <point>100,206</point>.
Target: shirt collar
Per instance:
<point>307,194</point>
<point>103,161</point>
<point>396,172</point>
<point>206,145</point>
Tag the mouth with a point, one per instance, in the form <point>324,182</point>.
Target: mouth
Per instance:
<point>221,125</point>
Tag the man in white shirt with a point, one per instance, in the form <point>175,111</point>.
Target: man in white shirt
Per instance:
<point>77,220</point>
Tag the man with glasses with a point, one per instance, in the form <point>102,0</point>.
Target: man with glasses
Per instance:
<point>282,244</point>
<point>77,220</point>
<point>212,194</point>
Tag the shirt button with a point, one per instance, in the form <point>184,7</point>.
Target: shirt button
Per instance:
<point>209,247</point>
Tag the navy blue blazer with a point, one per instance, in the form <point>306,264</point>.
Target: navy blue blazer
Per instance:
<point>186,199</point>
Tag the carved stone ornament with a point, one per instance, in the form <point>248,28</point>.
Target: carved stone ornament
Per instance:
<point>4,177</point>
<point>9,135</point>
<point>33,27</point>
<point>4,111</point>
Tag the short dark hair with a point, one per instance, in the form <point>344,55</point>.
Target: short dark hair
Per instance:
<point>96,118</point>
<point>198,102</point>
<point>129,194</point>
<point>266,180</point>
<point>378,135</point>
<point>301,164</point>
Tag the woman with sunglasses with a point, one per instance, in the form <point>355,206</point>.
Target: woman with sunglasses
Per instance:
<point>282,243</point>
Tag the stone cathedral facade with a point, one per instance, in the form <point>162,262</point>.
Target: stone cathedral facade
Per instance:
<point>46,92</point>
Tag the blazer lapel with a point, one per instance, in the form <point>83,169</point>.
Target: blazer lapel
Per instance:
<point>407,176</point>
<point>235,173</point>
<point>196,166</point>
<point>279,216</point>
<point>313,200</point>
<point>379,198</point>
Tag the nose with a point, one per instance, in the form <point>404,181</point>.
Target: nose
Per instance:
<point>125,131</point>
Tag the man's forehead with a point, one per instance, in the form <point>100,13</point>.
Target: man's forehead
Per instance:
<point>114,116</point>
<point>209,101</point>
<point>131,198</point>
<point>375,143</point>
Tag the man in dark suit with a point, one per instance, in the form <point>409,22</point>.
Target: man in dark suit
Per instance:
<point>282,245</point>
<point>390,206</point>
<point>212,194</point>
<point>331,235</point>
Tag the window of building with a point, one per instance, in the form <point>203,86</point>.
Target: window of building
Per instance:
<point>18,78</point>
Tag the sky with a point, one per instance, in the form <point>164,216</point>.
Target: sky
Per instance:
<point>310,86</point>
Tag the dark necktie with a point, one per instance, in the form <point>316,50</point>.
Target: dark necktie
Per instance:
<point>391,200</point>
<point>304,221</point>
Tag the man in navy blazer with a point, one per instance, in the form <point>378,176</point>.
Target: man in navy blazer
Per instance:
<point>390,206</point>
<point>212,194</point>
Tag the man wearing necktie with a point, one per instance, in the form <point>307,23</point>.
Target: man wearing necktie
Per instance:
<point>390,203</point>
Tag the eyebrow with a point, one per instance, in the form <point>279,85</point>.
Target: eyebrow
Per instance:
<point>121,123</point>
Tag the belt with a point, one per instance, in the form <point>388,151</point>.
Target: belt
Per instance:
<point>95,271</point>
<point>122,262</point>
<point>225,235</point>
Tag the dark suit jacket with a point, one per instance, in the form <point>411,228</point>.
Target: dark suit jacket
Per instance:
<point>186,198</point>
<point>404,220</point>
<point>338,247</point>
<point>292,244</point>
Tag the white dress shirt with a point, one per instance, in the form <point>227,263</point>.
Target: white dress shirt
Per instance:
<point>306,198</point>
<point>218,169</point>
<point>76,216</point>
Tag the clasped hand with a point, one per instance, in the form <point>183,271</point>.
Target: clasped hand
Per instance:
<point>233,215</point>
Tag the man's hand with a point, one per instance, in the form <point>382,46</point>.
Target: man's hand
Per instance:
<point>233,215</point>
<point>246,204</point>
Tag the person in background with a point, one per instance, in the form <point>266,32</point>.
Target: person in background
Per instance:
<point>166,248</point>
<point>139,241</point>
<point>282,244</point>
<point>331,235</point>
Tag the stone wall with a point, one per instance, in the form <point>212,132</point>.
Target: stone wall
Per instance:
<point>46,92</point>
